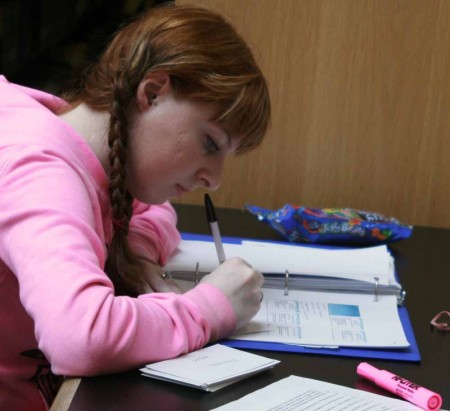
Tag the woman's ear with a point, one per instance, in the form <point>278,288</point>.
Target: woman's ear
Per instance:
<point>152,87</point>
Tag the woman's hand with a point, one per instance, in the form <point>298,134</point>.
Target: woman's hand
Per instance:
<point>156,280</point>
<point>241,283</point>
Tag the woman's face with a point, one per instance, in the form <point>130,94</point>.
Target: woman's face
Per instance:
<point>174,147</point>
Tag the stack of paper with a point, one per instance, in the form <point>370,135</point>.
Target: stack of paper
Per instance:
<point>310,268</point>
<point>210,368</point>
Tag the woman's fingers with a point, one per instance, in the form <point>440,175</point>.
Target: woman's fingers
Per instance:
<point>242,284</point>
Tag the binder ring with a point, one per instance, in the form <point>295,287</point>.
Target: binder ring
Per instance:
<point>401,297</point>
<point>166,274</point>
<point>286,283</point>
<point>375,297</point>
<point>197,273</point>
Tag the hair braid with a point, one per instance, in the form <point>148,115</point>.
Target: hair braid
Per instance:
<point>122,265</point>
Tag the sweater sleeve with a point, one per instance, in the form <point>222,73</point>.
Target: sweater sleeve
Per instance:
<point>51,238</point>
<point>153,233</point>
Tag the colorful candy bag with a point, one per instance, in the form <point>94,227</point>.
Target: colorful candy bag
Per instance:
<point>332,225</point>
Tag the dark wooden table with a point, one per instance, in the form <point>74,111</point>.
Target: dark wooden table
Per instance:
<point>423,265</point>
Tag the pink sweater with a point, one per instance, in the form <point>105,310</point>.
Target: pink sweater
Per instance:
<point>57,306</point>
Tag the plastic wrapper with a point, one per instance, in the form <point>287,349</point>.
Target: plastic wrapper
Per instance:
<point>332,225</point>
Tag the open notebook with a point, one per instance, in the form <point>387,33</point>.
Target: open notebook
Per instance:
<point>317,299</point>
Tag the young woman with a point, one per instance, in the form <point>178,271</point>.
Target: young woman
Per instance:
<point>85,225</point>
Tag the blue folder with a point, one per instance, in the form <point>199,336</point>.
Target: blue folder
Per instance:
<point>403,354</point>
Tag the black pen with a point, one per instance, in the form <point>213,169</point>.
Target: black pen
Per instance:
<point>214,227</point>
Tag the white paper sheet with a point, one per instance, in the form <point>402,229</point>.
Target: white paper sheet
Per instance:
<point>358,264</point>
<point>327,319</point>
<point>303,394</point>
<point>210,368</point>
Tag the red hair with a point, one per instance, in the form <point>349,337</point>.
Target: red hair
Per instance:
<point>207,61</point>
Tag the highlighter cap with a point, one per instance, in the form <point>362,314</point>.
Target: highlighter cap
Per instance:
<point>367,371</point>
<point>423,397</point>
<point>433,401</point>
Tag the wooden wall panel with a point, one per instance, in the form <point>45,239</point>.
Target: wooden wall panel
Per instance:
<point>360,93</point>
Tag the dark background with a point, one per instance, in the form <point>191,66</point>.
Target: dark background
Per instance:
<point>44,44</point>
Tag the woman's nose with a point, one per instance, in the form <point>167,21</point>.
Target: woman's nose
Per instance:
<point>210,178</point>
<point>207,180</point>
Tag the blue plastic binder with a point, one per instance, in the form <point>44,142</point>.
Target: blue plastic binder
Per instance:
<point>405,354</point>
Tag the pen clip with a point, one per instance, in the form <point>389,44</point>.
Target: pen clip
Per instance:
<point>214,227</point>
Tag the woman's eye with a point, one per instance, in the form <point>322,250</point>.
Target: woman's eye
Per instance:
<point>210,145</point>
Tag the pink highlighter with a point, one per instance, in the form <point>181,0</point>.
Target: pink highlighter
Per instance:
<point>408,390</point>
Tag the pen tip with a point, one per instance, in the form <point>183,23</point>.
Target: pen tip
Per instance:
<point>210,212</point>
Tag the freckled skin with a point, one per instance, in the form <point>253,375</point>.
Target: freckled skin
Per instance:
<point>168,151</point>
